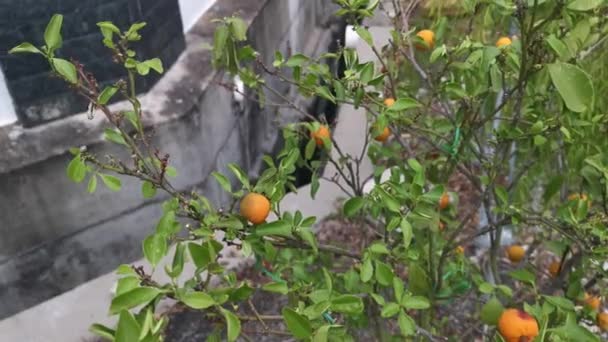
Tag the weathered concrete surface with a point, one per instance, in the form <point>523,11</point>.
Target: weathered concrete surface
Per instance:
<point>56,236</point>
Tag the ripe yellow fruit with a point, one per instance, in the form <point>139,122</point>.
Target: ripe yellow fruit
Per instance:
<point>554,268</point>
<point>386,132</point>
<point>515,253</point>
<point>503,41</point>
<point>592,302</point>
<point>602,321</point>
<point>517,326</point>
<point>389,101</point>
<point>255,208</point>
<point>428,37</point>
<point>460,250</point>
<point>321,133</point>
<point>444,201</point>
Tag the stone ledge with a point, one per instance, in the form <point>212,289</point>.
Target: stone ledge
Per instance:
<point>191,74</point>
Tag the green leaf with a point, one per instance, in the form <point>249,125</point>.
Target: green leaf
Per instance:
<point>125,269</point>
<point>155,248</point>
<point>297,324</point>
<point>113,183</point>
<point>418,280</point>
<point>389,201</point>
<point>560,302</point>
<point>491,311</point>
<point>307,235</point>
<point>416,302</point>
<point>102,331</point>
<point>348,304</point>
<point>574,85</point>
<point>127,284</point>
<point>177,266</point>
<point>66,69</point>
<point>296,60</point>
<point>200,255</point>
<point>558,46</point>
<point>384,274</point>
<point>523,275</point>
<point>24,48</point>
<point>486,288</point>
<point>171,171</point>
<point>136,297</point>
<point>310,149</point>
<point>584,5</point>
<point>127,329</point>
<point>106,94</point>
<point>367,73</point>
<point>133,119</point>
<point>404,104</point>
<point>146,326</point>
<point>167,224</point>
<point>109,26</point>
<point>240,174</point>
<point>233,325</point>
<point>325,93</point>
<point>322,334</point>
<point>52,33</point>
<point>353,206</point>
<point>198,300</point>
<point>223,181</point>
<point>148,190</point>
<point>390,310</point>
<point>142,68</point>
<point>367,270</point>
<point>572,331</point>
<point>407,232</point>
<point>114,136</point>
<point>539,140</point>
<point>378,248</point>
<point>407,326</point>
<point>505,290</point>
<point>77,170</point>
<point>276,287</point>
<point>155,64</point>
<point>398,288</point>
<point>280,228</point>
<point>238,28</point>
<point>365,35</point>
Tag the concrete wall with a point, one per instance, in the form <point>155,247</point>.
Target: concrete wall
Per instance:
<point>55,236</point>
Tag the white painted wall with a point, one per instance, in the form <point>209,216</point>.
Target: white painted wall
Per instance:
<point>7,109</point>
<point>191,10</point>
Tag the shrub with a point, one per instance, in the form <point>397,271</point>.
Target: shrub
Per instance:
<point>519,119</point>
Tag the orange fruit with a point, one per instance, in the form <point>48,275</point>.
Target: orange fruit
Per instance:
<point>554,268</point>
<point>444,201</point>
<point>593,302</point>
<point>389,101</point>
<point>602,321</point>
<point>255,207</point>
<point>515,253</point>
<point>321,133</point>
<point>386,132</point>
<point>428,37</point>
<point>459,250</point>
<point>582,197</point>
<point>517,326</point>
<point>503,41</point>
